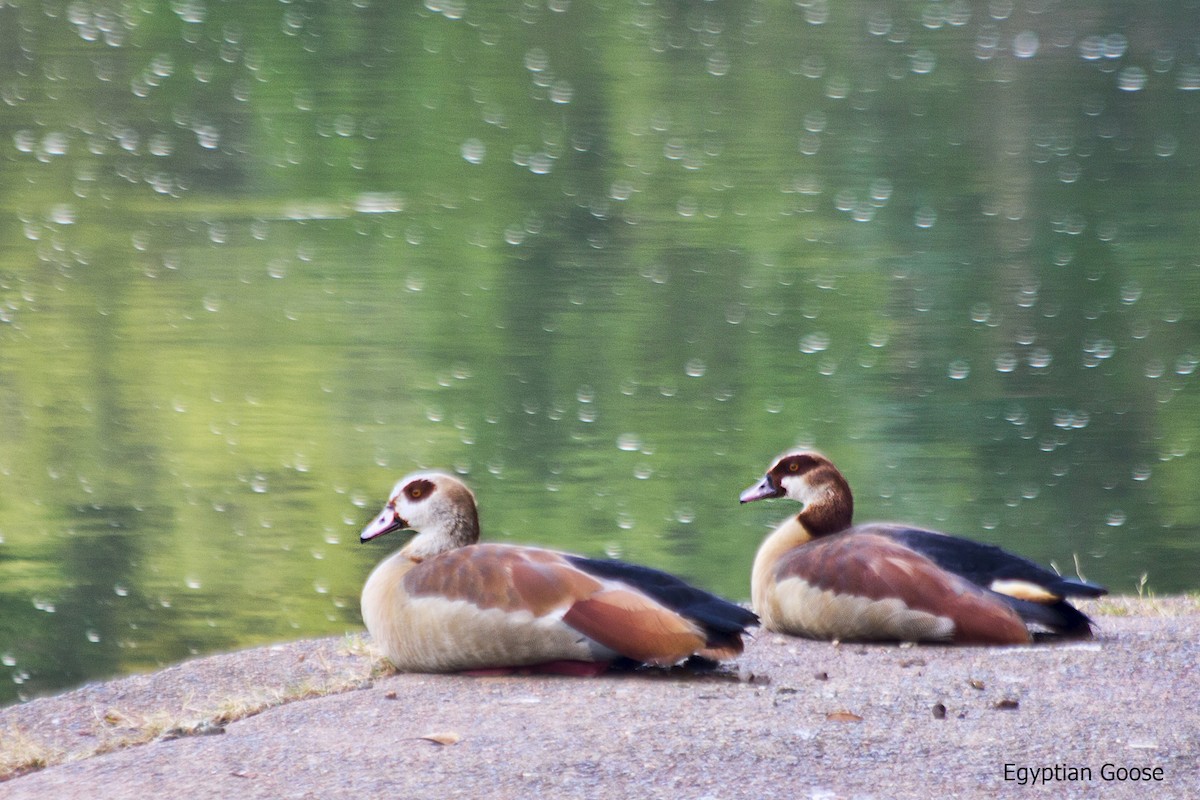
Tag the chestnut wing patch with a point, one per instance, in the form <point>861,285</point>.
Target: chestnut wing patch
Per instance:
<point>719,617</point>
<point>877,568</point>
<point>501,577</point>
<point>635,626</point>
<point>987,565</point>
<point>603,607</point>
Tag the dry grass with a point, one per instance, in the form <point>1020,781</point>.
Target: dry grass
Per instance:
<point>1145,603</point>
<point>114,728</point>
<point>20,754</point>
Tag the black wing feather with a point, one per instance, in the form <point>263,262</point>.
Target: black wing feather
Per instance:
<point>983,563</point>
<point>714,613</point>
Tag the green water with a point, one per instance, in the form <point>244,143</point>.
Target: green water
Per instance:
<point>260,259</point>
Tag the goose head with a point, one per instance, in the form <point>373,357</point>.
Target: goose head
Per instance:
<point>812,480</point>
<point>439,507</point>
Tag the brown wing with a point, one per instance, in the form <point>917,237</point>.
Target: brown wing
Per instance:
<point>874,567</point>
<point>545,584</point>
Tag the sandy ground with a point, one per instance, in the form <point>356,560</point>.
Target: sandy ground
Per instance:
<point>792,719</point>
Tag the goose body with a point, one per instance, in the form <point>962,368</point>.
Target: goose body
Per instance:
<point>818,576</point>
<point>445,603</point>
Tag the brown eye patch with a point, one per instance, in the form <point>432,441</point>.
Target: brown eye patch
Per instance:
<point>795,464</point>
<point>415,490</point>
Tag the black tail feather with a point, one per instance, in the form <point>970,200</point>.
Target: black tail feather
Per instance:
<point>1060,618</point>
<point>1070,587</point>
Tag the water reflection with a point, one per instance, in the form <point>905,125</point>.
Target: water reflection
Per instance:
<point>258,260</point>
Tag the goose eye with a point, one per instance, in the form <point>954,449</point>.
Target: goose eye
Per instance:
<point>794,466</point>
<point>418,489</point>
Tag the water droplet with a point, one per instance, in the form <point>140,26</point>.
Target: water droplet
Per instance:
<point>815,342</point>
<point>717,64</point>
<point>92,635</point>
<point>62,214</point>
<point>1131,79</point>
<point>55,143</point>
<point>629,442</point>
<point>879,23</point>
<point>1141,472</point>
<point>541,163</point>
<point>1165,145</point>
<point>1115,518</point>
<point>685,515</point>
<point>44,605</point>
<point>258,484</point>
<point>207,137</point>
<point>1039,358</point>
<point>816,12</point>
<point>8,660</point>
<point>838,87</point>
<point>925,217</point>
<point>695,368</point>
<point>1069,171</point>
<point>881,190</point>
<point>1017,416</point>
<point>121,590</point>
<point>536,60</point>
<point>625,520</point>
<point>473,151</point>
<point>815,121</point>
<point>192,582</point>
<point>1188,79</point>
<point>1115,45</point>
<point>1025,44</point>
<point>863,212</point>
<point>922,62</point>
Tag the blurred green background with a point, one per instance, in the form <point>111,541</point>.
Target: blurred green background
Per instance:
<point>606,259</point>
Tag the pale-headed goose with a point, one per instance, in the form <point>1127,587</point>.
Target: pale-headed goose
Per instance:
<point>444,603</point>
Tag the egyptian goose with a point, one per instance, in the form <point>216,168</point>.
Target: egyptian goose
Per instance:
<point>444,603</point>
<point>816,576</point>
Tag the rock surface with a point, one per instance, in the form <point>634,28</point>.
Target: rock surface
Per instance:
<point>791,719</point>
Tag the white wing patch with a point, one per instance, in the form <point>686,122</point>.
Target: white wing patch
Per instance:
<point>1023,590</point>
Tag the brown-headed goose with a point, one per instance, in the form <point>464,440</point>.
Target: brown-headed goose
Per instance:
<point>816,576</point>
<point>444,603</point>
